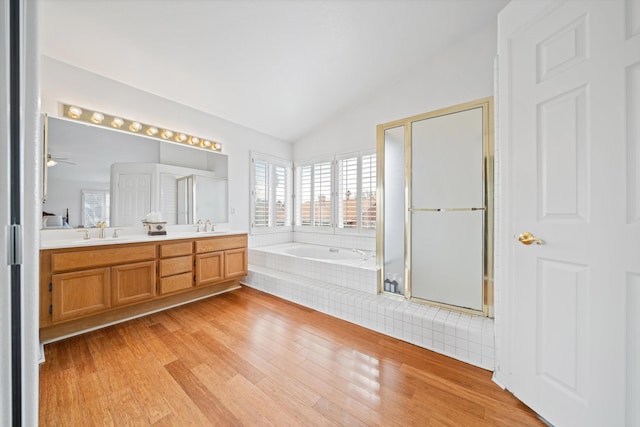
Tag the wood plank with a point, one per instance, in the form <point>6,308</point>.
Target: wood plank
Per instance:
<point>211,406</point>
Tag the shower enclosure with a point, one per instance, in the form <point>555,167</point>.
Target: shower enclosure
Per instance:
<point>435,207</point>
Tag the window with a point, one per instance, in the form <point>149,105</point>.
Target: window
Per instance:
<point>95,207</point>
<point>357,192</point>
<point>344,189</point>
<point>313,192</point>
<point>270,193</point>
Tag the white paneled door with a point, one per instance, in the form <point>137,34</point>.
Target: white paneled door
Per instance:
<point>133,199</point>
<point>569,78</point>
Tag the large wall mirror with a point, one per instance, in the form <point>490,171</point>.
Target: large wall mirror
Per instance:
<point>435,241</point>
<point>95,174</point>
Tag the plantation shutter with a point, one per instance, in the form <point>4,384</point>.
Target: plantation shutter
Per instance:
<point>303,195</point>
<point>261,194</point>
<point>282,183</point>
<point>348,193</point>
<point>322,194</point>
<point>368,193</point>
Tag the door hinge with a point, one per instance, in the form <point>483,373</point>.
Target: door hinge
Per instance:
<point>50,308</point>
<point>14,250</point>
<point>50,287</point>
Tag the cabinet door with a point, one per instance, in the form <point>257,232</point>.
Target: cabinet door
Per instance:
<point>80,293</point>
<point>133,282</point>
<point>235,263</point>
<point>209,268</point>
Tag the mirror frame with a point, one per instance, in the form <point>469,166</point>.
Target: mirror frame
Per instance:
<point>487,106</point>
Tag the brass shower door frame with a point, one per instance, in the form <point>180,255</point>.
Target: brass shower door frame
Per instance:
<point>486,104</point>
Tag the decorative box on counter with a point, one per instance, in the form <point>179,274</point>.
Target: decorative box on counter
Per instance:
<point>156,228</point>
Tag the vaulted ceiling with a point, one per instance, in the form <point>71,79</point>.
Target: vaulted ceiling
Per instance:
<point>281,67</point>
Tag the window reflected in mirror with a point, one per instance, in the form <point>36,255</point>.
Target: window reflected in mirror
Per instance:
<point>95,208</point>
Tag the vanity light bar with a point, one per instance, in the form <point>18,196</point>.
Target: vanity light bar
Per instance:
<point>132,126</point>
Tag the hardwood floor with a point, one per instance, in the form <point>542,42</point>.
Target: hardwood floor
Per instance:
<point>248,358</point>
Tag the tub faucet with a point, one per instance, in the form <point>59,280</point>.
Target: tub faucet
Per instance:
<point>363,253</point>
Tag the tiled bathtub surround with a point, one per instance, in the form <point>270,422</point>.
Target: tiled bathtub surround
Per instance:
<point>367,243</point>
<point>257,240</point>
<point>461,336</point>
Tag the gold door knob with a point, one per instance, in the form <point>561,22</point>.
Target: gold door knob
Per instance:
<point>527,238</point>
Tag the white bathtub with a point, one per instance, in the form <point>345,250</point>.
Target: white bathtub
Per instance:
<point>333,255</point>
<point>340,266</point>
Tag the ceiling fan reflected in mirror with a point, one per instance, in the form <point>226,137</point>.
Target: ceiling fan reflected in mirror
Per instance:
<point>52,161</point>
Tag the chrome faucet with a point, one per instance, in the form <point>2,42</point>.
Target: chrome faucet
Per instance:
<point>198,224</point>
<point>115,232</point>
<point>208,226</point>
<point>86,234</point>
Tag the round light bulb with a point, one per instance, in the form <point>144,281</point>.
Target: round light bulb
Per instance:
<point>194,140</point>
<point>216,146</point>
<point>135,127</point>
<point>206,143</point>
<point>75,112</point>
<point>166,134</point>
<point>152,131</point>
<point>97,117</point>
<point>117,122</point>
<point>181,137</point>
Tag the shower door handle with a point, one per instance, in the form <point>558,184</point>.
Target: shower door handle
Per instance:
<point>527,238</point>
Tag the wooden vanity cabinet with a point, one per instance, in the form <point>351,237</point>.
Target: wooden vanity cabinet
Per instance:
<point>90,286</point>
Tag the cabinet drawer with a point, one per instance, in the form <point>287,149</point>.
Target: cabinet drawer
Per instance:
<point>171,266</point>
<point>91,258</point>
<point>221,243</point>
<point>175,249</point>
<point>176,283</point>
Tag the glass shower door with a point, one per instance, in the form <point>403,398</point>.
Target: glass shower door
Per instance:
<point>447,209</point>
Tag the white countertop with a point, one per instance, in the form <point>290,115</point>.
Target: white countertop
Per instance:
<point>70,238</point>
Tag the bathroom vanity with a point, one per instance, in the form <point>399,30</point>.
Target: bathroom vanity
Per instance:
<point>88,284</point>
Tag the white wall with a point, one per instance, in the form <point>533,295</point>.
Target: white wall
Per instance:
<point>61,82</point>
<point>463,72</point>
